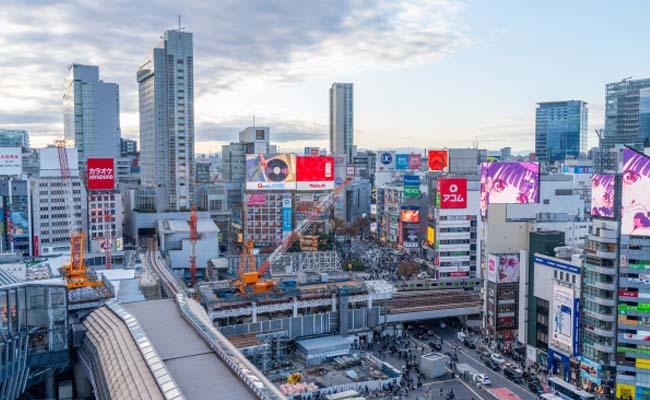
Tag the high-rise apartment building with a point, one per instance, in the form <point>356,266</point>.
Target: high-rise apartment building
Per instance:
<point>91,114</point>
<point>560,130</point>
<point>128,147</point>
<point>166,91</point>
<point>342,119</point>
<point>627,113</point>
<point>15,216</point>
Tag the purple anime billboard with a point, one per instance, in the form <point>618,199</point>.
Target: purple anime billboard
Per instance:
<point>602,196</point>
<point>635,218</point>
<point>509,183</point>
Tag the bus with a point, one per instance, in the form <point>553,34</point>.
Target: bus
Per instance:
<point>548,396</point>
<point>567,391</point>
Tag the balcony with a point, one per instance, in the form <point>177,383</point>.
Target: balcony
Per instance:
<point>600,317</point>
<point>610,255</point>
<point>633,283</point>
<point>600,300</point>
<point>601,270</point>
<point>600,285</point>
<point>604,347</point>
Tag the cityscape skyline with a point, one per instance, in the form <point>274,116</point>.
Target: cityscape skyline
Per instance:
<point>417,68</point>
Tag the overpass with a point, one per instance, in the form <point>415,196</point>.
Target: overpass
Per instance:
<point>430,304</point>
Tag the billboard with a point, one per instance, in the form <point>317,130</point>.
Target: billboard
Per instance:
<point>438,160</point>
<point>415,161</point>
<point>509,183</point>
<point>373,209</point>
<point>401,161</point>
<point>315,173</point>
<point>256,199</point>
<point>411,186</point>
<point>373,227</point>
<point>270,172</point>
<point>410,237</point>
<point>452,192</point>
<point>11,161</point>
<point>602,195</point>
<point>635,199</point>
<point>386,161</point>
<point>431,235</point>
<point>20,224</point>
<point>503,268</point>
<point>590,370</point>
<point>101,174</point>
<point>286,218</point>
<point>561,337</point>
<point>410,214</point>
<point>493,262</point>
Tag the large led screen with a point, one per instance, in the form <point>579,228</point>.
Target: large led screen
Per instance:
<point>315,173</point>
<point>602,195</point>
<point>509,183</point>
<point>635,217</point>
<point>410,214</point>
<point>271,172</point>
<point>503,268</point>
<point>438,160</point>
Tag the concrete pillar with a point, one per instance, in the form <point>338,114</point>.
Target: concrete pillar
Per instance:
<point>295,307</point>
<point>369,301</point>
<point>82,386</point>
<point>333,302</point>
<point>50,385</point>
<point>254,311</point>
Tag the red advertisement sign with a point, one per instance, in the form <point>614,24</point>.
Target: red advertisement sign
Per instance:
<point>256,199</point>
<point>458,274</point>
<point>101,174</point>
<point>315,173</point>
<point>452,192</point>
<point>415,161</point>
<point>438,160</point>
<point>36,248</point>
<point>626,293</point>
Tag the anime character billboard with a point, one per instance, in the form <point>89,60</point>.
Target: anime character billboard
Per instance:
<point>635,217</point>
<point>602,195</point>
<point>509,183</point>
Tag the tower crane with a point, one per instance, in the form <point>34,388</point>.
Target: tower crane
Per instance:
<point>194,236</point>
<point>252,280</point>
<point>76,271</point>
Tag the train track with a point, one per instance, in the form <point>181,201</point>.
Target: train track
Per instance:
<point>169,282</point>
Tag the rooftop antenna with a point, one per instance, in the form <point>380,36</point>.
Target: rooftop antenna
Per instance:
<point>180,28</point>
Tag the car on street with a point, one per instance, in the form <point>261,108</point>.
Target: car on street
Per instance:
<point>498,358</point>
<point>442,324</point>
<point>468,343</point>
<point>513,373</point>
<point>493,365</point>
<point>437,346</point>
<point>484,354</point>
<point>536,388</point>
<point>482,379</point>
<point>461,336</point>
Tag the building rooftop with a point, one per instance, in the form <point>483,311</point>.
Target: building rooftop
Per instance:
<point>325,342</point>
<point>203,225</point>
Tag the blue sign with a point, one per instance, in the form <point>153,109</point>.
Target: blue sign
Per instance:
<point>402,161</point>
<point>556,264</point>
<point>577,169</point>
<point>387,158</point>
<point>338,180</point>
<point>411,180</point>
<point>286,218</point>
<point>576,327</point>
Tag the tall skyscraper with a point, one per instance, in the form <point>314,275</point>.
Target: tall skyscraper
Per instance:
<point>166,90</point>
<point>627,113</point>
<point>91,113</point>
<point>560,130</point>
<point>342,119</point>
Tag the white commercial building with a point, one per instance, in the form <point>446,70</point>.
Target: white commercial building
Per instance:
<point>49,203</point>
<point>166,104</point>
<point>100,204</point>
<point>91,114</point>
<point>174,237</point>
<point>342,120</point>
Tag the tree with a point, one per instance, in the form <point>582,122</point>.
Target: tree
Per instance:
<point>407,269</point>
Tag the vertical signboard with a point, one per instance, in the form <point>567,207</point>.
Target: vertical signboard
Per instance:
<point>415,162</point>
<point>438,160</point>
<point>401,161</point>
<point>101,174</point>
<point>452,193</point>
<point>386,161</point>
<point>561,332</point>
<point>602,195</point>
<point>411,186</point>
<point>286,218</point>
<point>635,214</point>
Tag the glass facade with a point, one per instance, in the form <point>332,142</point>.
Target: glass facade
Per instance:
<point>560,130</point>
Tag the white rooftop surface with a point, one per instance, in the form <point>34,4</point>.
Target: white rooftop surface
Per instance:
<point>325,342</point>
<point>179,225</point>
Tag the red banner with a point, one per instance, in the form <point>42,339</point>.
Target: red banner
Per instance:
<point>452,192</point>
<point>101,174</point>
<point>438,160</point>
<point>315,173</point>
<point>626,293</point>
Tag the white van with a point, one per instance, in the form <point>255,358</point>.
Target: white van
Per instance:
<point>461,336</point>
<point>482,379</point>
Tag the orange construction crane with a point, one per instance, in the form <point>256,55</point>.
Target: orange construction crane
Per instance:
<point>252,280</point>
<point>194,236</point>
<point>76,271</point>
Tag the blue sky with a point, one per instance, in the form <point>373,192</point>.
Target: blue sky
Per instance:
<point>426,73</point>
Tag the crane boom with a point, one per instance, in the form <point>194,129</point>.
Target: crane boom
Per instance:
<point>314,212</point>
